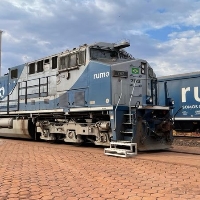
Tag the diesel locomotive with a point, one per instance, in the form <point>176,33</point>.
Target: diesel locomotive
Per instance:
<point>94,93</point>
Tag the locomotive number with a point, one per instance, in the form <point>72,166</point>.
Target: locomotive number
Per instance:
<point>122,74</point>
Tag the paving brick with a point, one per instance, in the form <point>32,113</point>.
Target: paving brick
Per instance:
<point>157,195</point>
<point>3,195</point>
<point>137,191</point>
<point>71,198</point>
<point>150,191</point>
<point>24,197</point>
<point>13,191</point>
<point>60,198</point>
<point>164,198</point>
<point>134,198</point>
<point>144,194</point>
<point>24,192</point>
<point>148,198</point>
<point>38,196</point>
<point>12,196</point>
<point>47,197</point>
<point>33,170</point>
<point>197,197</point>
<point>171,196</point>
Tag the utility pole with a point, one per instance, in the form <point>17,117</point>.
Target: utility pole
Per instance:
<point>0,50</point>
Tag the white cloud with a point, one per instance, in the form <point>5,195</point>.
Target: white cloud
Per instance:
<point>184,34</point>
<point>179,55</point>
<point>194,18</point>
<point>37,28</point>
<point>35,7</point>
<point>10,38</point>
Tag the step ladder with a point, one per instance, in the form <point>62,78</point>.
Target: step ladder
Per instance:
<point>117,150</point>
<point>128,124</point>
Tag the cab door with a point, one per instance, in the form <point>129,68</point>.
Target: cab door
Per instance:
<point>13,89</point>
<point>4,93</point>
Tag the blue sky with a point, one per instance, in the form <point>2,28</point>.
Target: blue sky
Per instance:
<point>166,33</point>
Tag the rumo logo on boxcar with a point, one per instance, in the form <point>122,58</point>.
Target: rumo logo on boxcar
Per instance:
<point>187,89</point>
<point>101,75</point>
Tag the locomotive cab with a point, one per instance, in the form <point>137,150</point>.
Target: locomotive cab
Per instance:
<point>134,86</point>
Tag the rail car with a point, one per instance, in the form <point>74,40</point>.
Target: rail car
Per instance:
<point>94,93</point>
<point>184,89</point>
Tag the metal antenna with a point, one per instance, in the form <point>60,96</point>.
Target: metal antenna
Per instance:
<point>0,50</point>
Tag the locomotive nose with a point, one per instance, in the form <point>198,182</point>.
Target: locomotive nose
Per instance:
<point>163,127</point>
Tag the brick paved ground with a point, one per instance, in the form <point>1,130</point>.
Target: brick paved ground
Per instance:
<point>31,170</point>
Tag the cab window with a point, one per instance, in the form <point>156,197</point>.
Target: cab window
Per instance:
<point>14,73</point>
<point>32,68</point>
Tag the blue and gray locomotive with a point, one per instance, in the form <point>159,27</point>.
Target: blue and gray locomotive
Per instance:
<point>94,93</point>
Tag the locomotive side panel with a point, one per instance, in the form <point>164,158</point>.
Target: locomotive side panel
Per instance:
<point>9,89</point>
<point>35,93</point>
<point>139,83</point>
<point>134,90</point>
<point>99,84</point>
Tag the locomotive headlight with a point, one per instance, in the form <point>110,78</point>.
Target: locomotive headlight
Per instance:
<point>143,68</point>
<point>170,102</point>
<point>143,65</point>
<point>149,100</point>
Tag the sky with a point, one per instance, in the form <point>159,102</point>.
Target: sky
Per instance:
<point>166,33</point>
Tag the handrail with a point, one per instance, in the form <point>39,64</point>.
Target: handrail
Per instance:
<point>118,103</point>
<point>131,99</point>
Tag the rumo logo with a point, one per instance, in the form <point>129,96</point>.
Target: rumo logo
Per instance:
<point>187,89</point>
<point>101,75</point>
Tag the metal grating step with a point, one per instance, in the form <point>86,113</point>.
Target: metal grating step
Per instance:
<point>119,152</point>
<point>127,132</point>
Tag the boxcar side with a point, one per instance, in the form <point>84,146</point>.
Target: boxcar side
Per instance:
<point>184,89</point>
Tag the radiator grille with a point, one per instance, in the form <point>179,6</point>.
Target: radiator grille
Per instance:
<point>63,100</point>
<point>79,98</point>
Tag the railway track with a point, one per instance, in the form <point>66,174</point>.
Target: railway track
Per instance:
<point>186,134</point>
<point>189,141</point>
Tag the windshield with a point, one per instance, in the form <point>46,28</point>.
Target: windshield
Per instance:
<point>102,53</point>
<point>109,54</point>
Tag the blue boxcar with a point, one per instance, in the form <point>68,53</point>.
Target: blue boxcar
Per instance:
<point>184,90</point>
